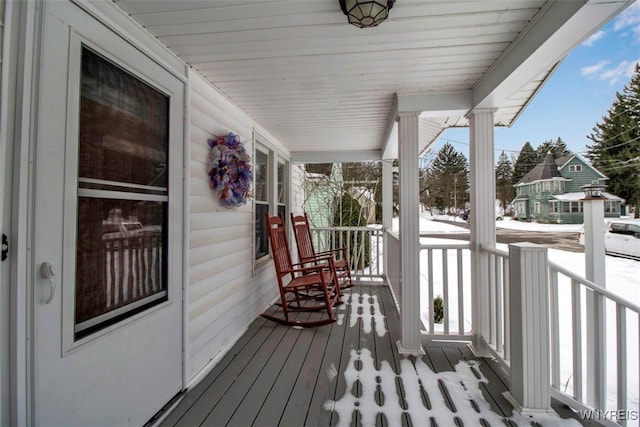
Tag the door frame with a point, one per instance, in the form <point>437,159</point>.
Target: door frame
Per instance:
<point>21,62</point>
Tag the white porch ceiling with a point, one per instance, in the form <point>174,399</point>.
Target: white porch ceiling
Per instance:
<point>321,85</point>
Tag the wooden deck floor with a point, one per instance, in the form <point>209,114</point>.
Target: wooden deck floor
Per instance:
<point>347,373</point>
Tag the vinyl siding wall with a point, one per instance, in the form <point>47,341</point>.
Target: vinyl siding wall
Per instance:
<point>580,178</point>
<point>225,293</point>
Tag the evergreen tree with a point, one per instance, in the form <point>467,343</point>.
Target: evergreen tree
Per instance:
<point>558,148</point>
<point>616,143</point>
<point>449,174</point>
<point>527,160</point>
<point>505,191</point>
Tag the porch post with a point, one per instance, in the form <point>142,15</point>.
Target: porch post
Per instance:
<point>529,333</point>
<point>387,194</point>
<point>594,252</point>
<point>410,342</point>
<point>387,208</point>
<point>482,222</point>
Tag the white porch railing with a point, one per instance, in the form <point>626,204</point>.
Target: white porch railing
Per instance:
<point>445,278</point>
<point>498,310</point>
<point>445,272</point>
<point>393,264</point>
<point>617,322</point>
<point>365,248</point>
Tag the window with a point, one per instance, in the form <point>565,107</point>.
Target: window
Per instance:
<point>633,230</point>
<point>555,208</point>
<point>611,206</point>
<point>283,189</point>
<point>558,187</point>
<point>123,188</point>
<point>575,168</point>
<point>261,171</point>
<point>271,194</point>
<point>576,207</point>
<point>537,207</point>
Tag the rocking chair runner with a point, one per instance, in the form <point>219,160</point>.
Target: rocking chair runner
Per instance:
<point>306,252</point>
<point>311,286</point>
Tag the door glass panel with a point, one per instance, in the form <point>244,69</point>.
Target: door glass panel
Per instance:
<point>121,260</point>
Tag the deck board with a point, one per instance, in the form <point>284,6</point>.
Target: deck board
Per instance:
<point>340,374</point>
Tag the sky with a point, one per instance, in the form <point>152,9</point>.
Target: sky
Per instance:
<point>578,94</point>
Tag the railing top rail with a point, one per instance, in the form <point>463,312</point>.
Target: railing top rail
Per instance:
<point>446,246</point>
<point>594,287</point>
<point>495,251</point>
<point>348,228</point>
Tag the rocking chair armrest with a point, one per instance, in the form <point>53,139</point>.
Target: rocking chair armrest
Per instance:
<point>317,268</point>
<point>315,260</point>
<point>344,251</point>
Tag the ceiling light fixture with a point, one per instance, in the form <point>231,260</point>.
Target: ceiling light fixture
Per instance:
<point>366,13</point>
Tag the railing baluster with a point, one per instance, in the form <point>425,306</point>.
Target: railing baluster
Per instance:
<point>445,290</point>
<point>555,330</point>
<point>507,317</point>
<point>576,320</point>
<point>621,334</point>
<point>492,298</point>
<point>460,294</point>
<point>430,288</point>
<point>498,303</point>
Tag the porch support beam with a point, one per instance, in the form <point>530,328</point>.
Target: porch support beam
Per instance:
<point>335,156</point>
<point>482,223</point>
<point>530,392</point>
<point>444,104</point>
<point>558,28</point>
<point>410,342</point>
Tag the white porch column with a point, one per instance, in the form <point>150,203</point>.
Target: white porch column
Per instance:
<point>387,208</point>
<point>483,221</point>
<point>529,332</point>
<point>594,253</point>
<point>387,194</point>
<point>410,342</point>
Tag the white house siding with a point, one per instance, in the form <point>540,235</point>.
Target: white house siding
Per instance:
<point>297,188</point>
<point>225,295</point>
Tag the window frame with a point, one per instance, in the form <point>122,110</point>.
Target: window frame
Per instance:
<point>275,157</point>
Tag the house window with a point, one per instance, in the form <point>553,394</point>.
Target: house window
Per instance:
<point>546,186</point>
<point>536,207</point>
<point>566,207</point>
<point>555,208</point>
<point>576,207</point>
<point>123,196</point>
<point>575,168</point>
<point>261,171</point>
<point>558,187</point>
<point>283,188</point>
<point>271,194</point>
<point>611,207</point>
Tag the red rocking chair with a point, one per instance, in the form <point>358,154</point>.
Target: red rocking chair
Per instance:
<point>310,286</point>
<point>306,252</point>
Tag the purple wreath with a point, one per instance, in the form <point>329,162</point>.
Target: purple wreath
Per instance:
<point>229,170</point>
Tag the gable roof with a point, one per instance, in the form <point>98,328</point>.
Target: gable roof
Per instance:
<point>563,161</point>
<point>548,169</point>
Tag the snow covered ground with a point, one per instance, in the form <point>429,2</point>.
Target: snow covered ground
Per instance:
<point>622,279</point>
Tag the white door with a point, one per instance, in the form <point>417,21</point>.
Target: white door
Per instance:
<point>107,231</point>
